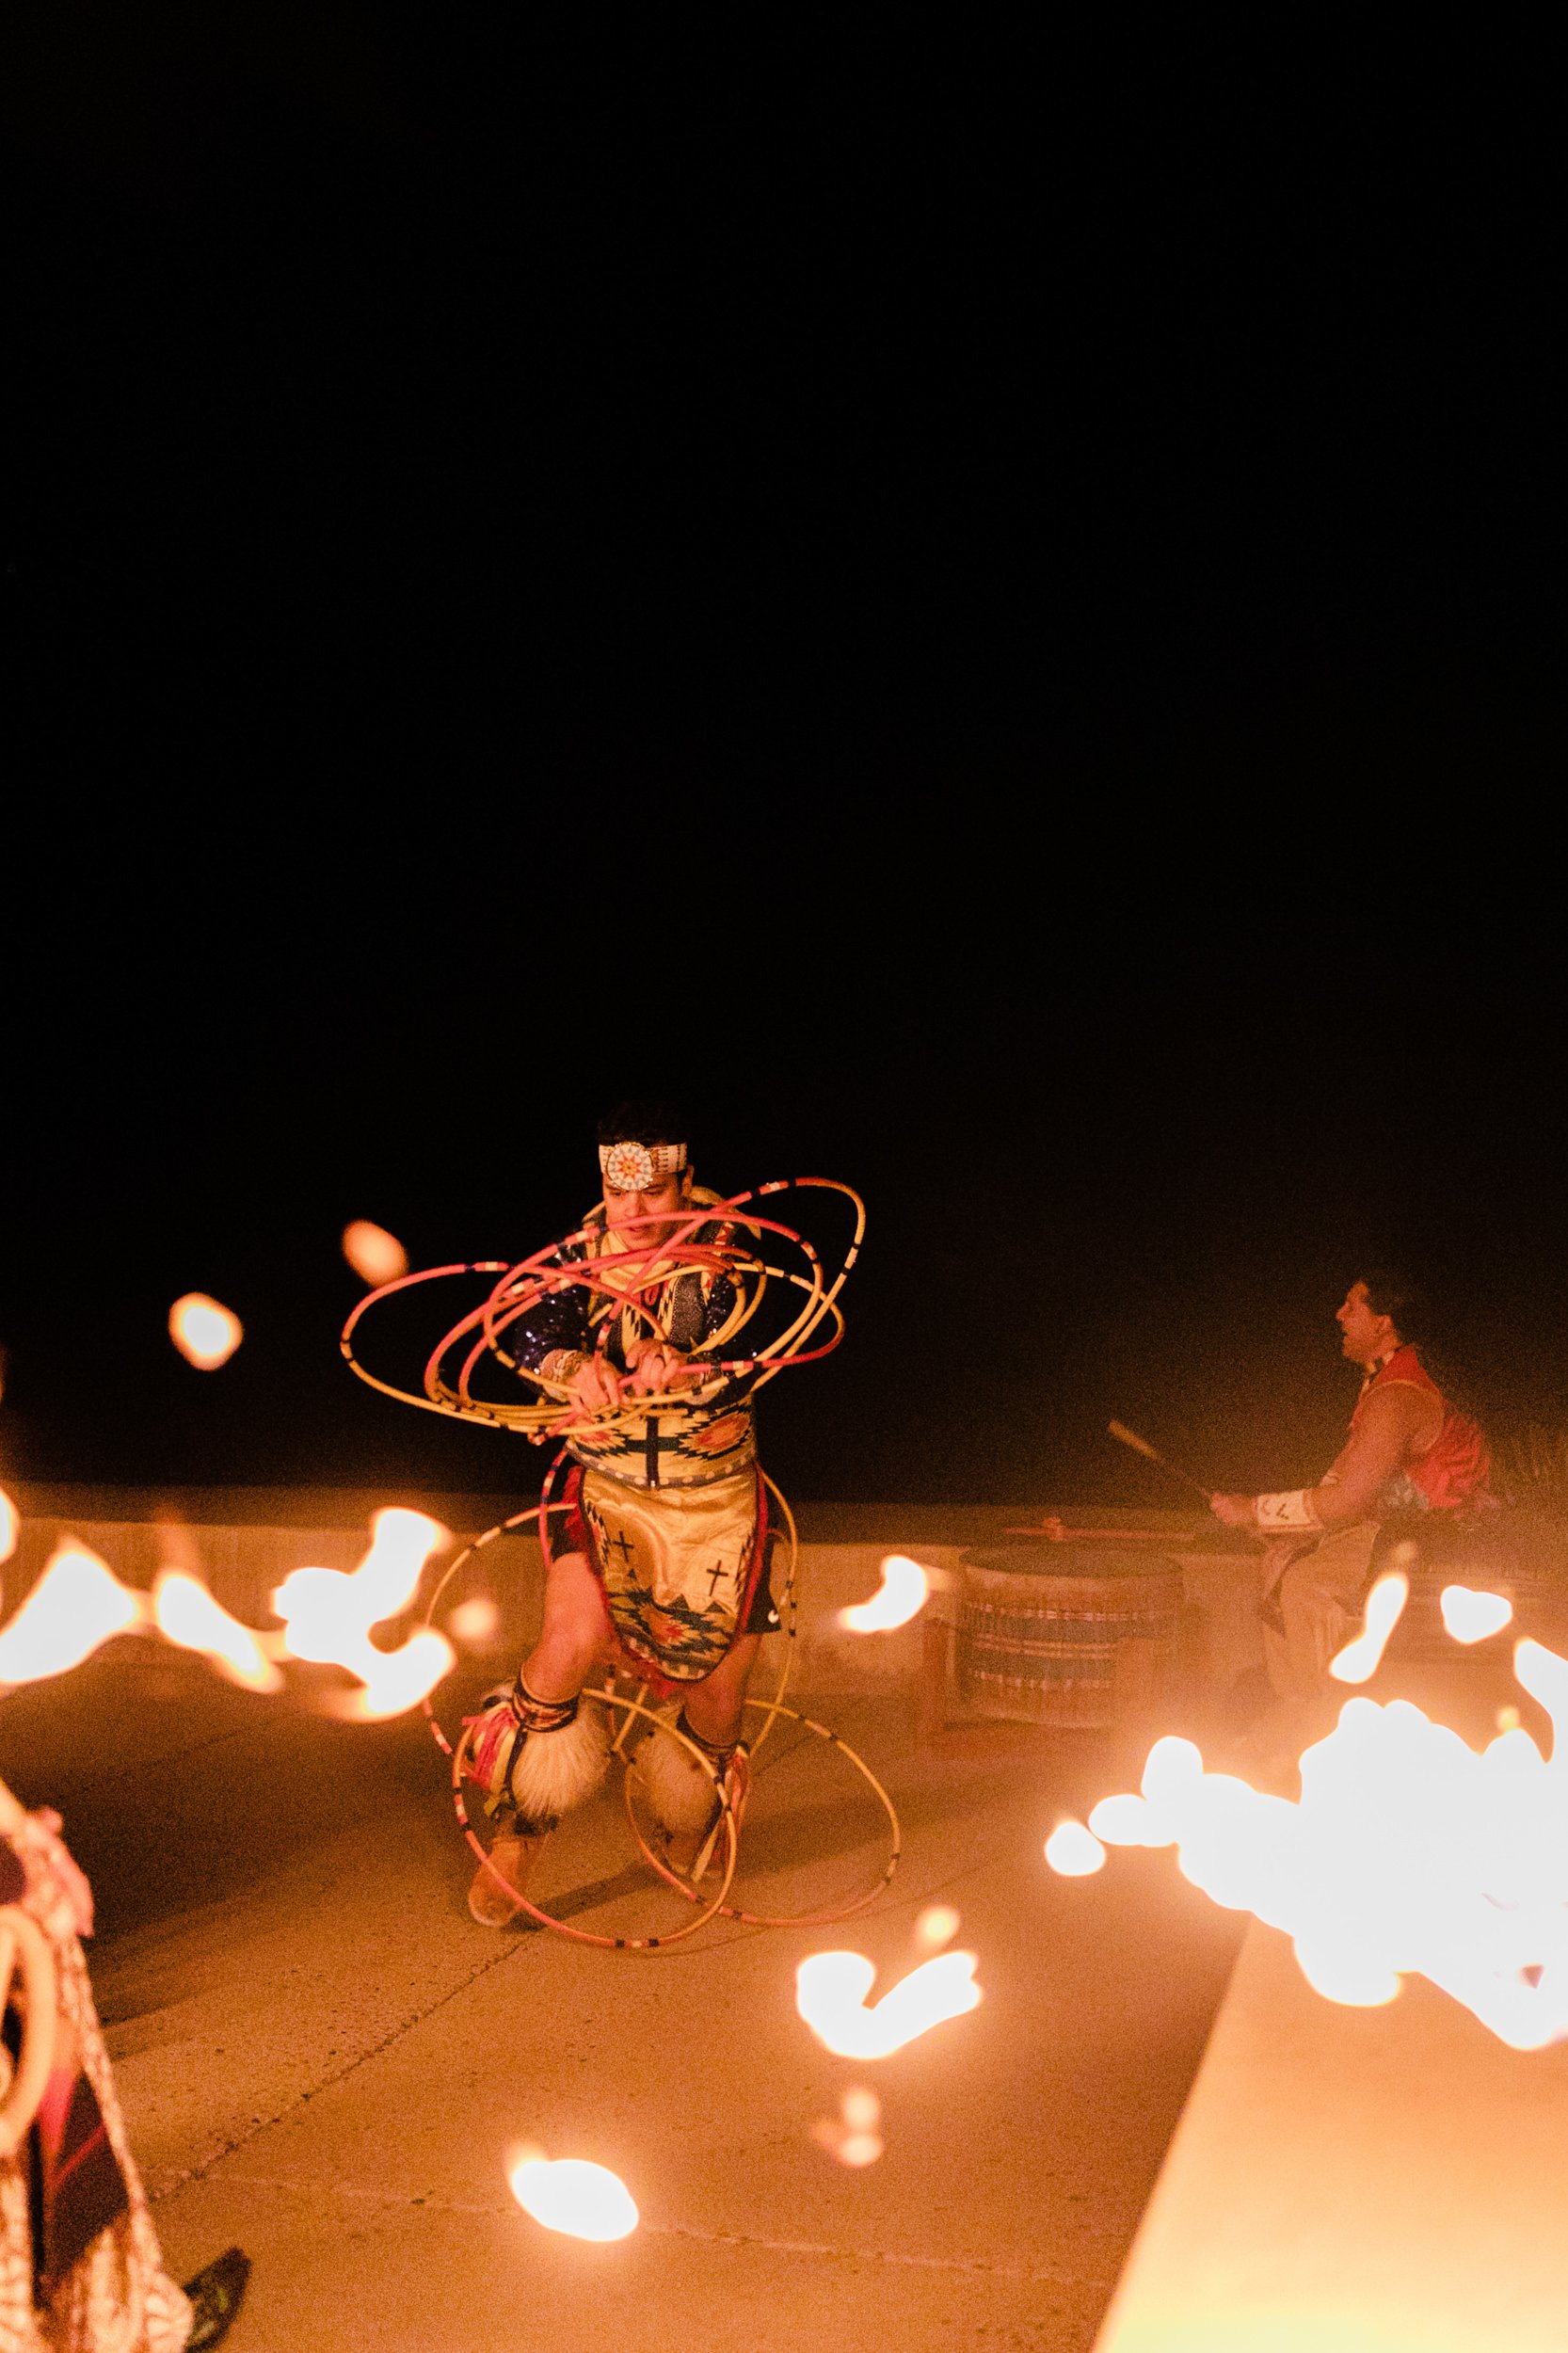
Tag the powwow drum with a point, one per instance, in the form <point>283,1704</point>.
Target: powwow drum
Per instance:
<point>1040,1626</point>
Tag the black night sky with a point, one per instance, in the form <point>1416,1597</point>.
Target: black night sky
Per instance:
<point>989,621</point>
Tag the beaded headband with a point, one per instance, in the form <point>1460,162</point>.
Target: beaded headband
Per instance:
<point>638,1167</point>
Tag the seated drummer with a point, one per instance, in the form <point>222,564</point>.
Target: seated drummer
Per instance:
<point>664,1573</point>
<point>1409,1452</point>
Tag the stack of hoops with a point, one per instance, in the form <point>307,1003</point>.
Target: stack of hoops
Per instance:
<point>632,1279</point>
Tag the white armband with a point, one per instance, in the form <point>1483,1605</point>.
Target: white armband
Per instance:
<point>1287,1513</point>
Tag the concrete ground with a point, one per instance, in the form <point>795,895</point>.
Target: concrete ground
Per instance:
<point>323,2059</point>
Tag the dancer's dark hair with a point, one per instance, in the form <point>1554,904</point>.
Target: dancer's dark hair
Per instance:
<point>643,1120</point>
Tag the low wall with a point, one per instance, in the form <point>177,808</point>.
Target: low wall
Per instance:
<point>244,1543</point>
<point>1369,2181</point>
<point>242,1566</point>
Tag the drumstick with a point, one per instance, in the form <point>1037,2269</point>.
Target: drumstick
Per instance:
<point>1141,1445</point>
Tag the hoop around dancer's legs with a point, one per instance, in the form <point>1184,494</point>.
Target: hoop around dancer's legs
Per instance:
<point>586,1936</point>
<point>780,1920</point>
<point>771,1710</point>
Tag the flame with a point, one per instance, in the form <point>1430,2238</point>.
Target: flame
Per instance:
<point>399,1679</point>
<point>584,2199</point>
<point>325,1609</point>
<point>830,1995</point>
<point>900,1596</point>
<point>937,1926</point>
<point>376,1256</point>
<point>10,1525</point>
<point>1358,1661</point>
<point>862,2110</point>
<point>77,1604</point>
<point>473,1622</point>
<point>1469,1616</point>
<point>205,1333</point>
<point>1408,1852</point>
<point>1074,1851</point>
<point>854,2141</point>
<point>185,1610</point>
<point>328,1616</point>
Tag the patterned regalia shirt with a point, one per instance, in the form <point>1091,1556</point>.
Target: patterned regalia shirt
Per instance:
<point>688,1446</point>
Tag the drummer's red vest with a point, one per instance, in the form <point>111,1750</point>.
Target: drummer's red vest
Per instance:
<point>1456,1469</point>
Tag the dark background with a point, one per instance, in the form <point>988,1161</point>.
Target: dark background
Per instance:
<point>993,620</point>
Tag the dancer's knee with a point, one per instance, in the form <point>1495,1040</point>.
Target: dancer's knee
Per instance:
<point>573,1637</point>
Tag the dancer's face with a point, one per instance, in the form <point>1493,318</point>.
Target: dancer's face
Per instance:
<point>659,1202</point>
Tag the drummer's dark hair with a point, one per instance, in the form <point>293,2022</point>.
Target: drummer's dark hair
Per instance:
<point>1393,1290</point>
<point>643,1120</point>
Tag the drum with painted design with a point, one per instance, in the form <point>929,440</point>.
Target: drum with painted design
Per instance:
<point>1043,1631</point>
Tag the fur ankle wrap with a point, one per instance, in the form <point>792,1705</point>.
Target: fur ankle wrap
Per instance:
<point>680,1790</point>
<point>553,1771</point>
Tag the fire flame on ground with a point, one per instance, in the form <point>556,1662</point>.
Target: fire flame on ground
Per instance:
<point>1470,1617</point>
<point>79,1604</point>
<point>853,2137</point>
<point>901,1595</point>
<point>830,1995</point>
<point>572,2195</point>
<point>937,1926</point>
<point>1359,1661</point>
<point>1408,1852</point>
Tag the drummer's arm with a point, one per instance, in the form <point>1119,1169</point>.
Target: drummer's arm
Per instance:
<point>1392,1420</point>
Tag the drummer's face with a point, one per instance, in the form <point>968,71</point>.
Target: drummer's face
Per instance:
<point>656,1203</point>
<point>1366,1334</point>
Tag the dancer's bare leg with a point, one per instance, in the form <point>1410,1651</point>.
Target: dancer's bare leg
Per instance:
<point>575,1636</point>
<point>573,1639</point>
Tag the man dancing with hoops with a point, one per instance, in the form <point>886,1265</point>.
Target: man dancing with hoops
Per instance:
<point>665,1568</point>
